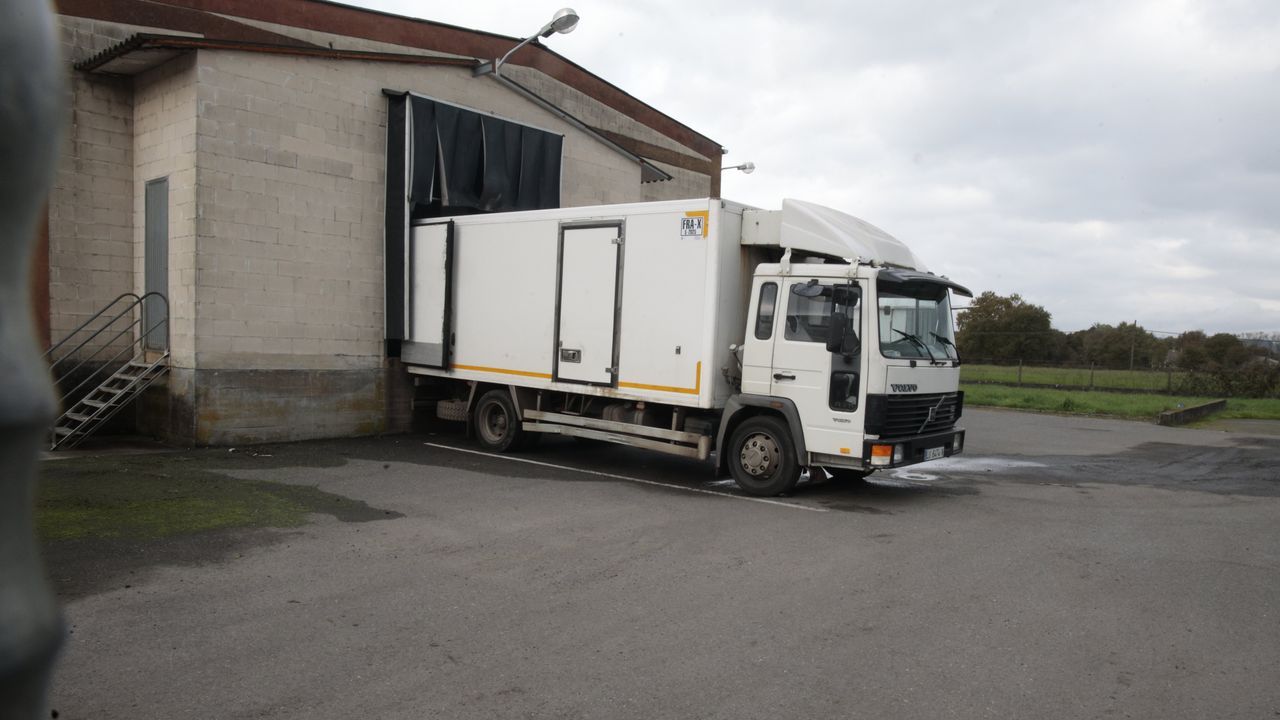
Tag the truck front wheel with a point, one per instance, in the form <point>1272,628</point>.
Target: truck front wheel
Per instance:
<point>762,457</point>
<point>497,425</point>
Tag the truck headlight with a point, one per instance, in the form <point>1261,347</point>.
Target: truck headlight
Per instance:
<point>957,443</point>
<point>881,455</point>
<point>886,455</point>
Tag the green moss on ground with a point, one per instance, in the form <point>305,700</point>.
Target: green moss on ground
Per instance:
<point>140,498</point>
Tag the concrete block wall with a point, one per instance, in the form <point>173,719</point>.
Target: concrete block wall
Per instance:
<point>91,223</point>
<point>292,164</point>
<point>683,184</point>
<point>288,304</point>
<point>687,184</point>
<point>164,123</point>
<point>90,220</point>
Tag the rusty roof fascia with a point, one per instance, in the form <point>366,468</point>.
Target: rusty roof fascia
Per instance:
<point>342,19</point>
<point>148,41</point>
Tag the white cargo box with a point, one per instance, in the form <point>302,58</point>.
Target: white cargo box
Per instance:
<point>637,301</point>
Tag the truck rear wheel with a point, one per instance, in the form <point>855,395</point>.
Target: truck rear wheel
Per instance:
<point>496,423</point>
<point>762,458</point>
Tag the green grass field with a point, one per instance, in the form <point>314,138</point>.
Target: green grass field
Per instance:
<point>1125,405</point>
<point>1071,377</point>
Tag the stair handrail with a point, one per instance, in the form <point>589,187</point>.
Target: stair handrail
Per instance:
<point>110,364</point>
<point>84,324</point>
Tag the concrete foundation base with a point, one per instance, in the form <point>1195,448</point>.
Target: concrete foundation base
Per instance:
<point>227,407</point>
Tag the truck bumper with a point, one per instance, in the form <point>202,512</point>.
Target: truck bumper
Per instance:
<point>898,452</point>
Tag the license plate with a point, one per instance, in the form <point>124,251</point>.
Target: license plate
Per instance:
<point>935,453</point>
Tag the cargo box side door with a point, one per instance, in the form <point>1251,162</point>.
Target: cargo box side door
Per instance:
<point>588,304</point>
<point>430,295</point>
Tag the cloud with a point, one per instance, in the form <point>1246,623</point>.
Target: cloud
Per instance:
<point>1110,161</point>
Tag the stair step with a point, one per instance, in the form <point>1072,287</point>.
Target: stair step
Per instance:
<point>79,417</point>
<point>60,430</point>
<point>94,403</point>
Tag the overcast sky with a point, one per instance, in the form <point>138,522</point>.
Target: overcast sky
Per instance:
<point>1112,161</point>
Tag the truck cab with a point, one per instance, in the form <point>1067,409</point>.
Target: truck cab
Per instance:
<point>847,366</point>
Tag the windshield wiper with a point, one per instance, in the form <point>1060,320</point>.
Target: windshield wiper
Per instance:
<point>932,358</point>
<point>946,341</point>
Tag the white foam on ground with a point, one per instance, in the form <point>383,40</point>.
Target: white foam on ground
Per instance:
<point>980,464</point>
<point>916,474</point>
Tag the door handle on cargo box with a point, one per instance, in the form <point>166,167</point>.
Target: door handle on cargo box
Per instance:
<point>783,376</point>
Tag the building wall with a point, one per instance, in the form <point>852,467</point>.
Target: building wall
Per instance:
<point>682,185</point>
<point>292,164</point>
<point>288,293</point>
<point>578,104</point>
<point>91,205</point>
<point>90,217</point>
<point>276,196</point>
<point>164,146</point>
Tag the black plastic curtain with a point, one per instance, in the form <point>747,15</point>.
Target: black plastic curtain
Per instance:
<point>464,161</point>
<point>444,160</point>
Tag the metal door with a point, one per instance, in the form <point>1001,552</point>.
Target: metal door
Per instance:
<point>588,304</point>
<point>155,232</point>
<point>430,295</point>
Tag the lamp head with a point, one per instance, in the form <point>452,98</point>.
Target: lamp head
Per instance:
<point>564,21</point>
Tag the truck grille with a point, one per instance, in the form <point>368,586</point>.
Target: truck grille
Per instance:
<point>906,415</point>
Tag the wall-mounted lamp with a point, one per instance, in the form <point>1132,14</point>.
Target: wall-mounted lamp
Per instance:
<point>564,21</point>
<point>747,167</point>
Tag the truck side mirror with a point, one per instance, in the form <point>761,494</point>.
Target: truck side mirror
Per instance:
<point>835,338</point>
<point>844,295</point>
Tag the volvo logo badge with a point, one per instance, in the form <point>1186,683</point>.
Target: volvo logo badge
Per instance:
<point>903,388</point>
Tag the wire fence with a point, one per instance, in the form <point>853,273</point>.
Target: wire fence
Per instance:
<point>1256,380</point>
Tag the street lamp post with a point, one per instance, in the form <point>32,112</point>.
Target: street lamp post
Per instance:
<point>563,22</point>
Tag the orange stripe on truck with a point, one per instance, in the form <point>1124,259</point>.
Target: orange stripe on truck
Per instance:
<point>502,371</point>
<point>695,390</point>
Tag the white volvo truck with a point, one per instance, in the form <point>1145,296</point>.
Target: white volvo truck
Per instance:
<point>778,340</point>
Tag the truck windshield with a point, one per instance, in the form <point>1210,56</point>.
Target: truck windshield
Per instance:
<point>915,321</point>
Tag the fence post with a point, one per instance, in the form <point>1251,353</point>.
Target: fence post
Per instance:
<point>1019,372</point>
<point>1168,388</point>
<point>1091,376</point>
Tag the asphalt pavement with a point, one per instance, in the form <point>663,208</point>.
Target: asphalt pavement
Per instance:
<point>1061,567</point>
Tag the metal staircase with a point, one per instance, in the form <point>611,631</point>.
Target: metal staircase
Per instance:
<point>123,349</point>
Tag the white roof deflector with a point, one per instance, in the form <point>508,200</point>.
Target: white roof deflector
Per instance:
<point>818,229</point>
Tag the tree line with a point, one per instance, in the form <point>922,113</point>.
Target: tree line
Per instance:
<point>1009,329</point>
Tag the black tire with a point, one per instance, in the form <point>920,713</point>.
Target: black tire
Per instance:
<point>529,440</point>
<point>495,422</point>
<point>762,458</point>
<point>851,475</point>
